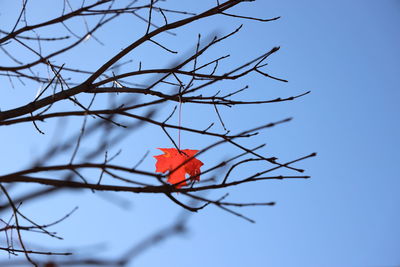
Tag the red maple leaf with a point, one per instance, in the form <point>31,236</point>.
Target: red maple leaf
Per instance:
<point>171,159</point>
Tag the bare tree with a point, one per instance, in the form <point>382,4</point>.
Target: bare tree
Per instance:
<point>116,99</point>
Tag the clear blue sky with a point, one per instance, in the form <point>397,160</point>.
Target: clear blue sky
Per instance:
<point>347,53</point>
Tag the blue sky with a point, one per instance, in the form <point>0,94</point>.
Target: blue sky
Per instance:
<point>347,53</point>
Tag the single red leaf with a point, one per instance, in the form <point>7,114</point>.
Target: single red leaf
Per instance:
<point>171,159</point>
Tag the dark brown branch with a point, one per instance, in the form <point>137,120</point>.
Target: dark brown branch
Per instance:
<point>50,22</point>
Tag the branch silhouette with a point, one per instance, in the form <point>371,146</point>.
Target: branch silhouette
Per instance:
<point>116,99</point>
